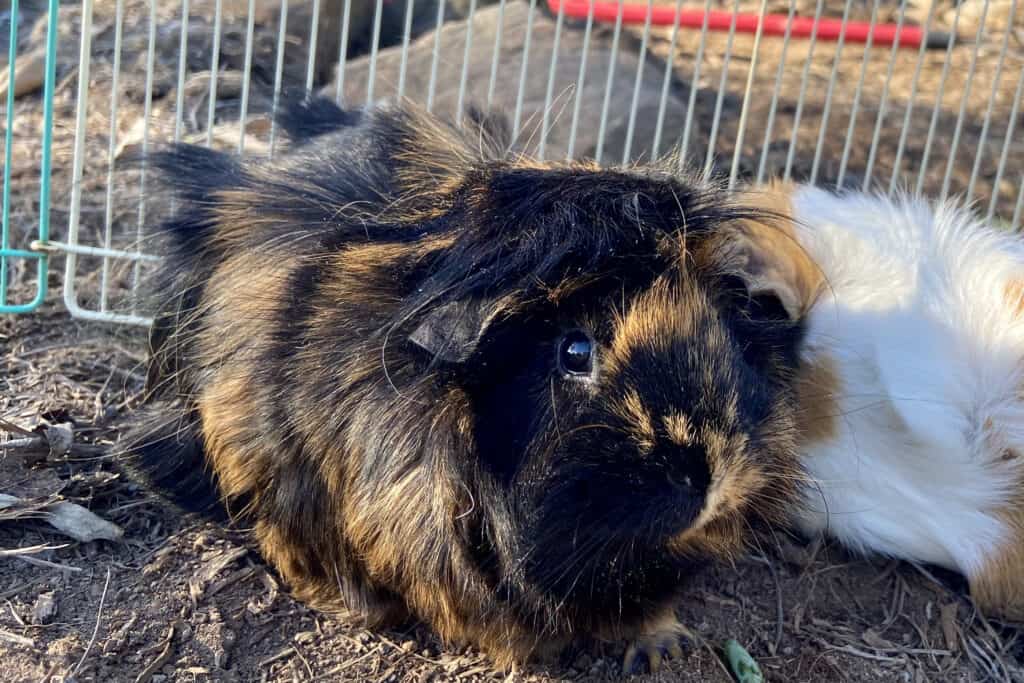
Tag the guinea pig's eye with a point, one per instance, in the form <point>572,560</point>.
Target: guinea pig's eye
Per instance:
<point>576,354</point>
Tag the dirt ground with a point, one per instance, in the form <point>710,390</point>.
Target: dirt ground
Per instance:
<point>176,599</point>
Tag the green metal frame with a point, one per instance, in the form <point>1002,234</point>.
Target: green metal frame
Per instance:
<point>6,250</point>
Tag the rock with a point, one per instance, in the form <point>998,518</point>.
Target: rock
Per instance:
<point>485,34</point>
<point>44,609</point>
<point>29,74</point>
<point>60,437</point>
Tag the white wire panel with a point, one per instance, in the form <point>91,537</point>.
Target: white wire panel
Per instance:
<point>738,87</point>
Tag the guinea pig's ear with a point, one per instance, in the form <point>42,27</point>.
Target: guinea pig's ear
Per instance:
<point>774,264</point>
<point>765,250</point>
<point>451,332</point>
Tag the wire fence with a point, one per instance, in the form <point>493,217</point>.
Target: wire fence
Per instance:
<point>867,94</point>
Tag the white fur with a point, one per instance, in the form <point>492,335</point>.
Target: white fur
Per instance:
<point>929,354</point>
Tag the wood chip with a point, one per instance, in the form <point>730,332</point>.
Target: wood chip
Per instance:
<point>16,639</point>
<point>161,659</point>
<point>871,637</point>
<point>197,585</point>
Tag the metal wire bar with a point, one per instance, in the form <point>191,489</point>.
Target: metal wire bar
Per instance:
<point>773,108</point>
<point>282,37</point>
<point>958,129</point>
<point>695,85</point>
<point>40,246</point>
<point>314,30</point>
<point>852,127</point>
<point>666,80</point>
<point>883,103</point>
<point>937,109</point>
<point>374,46</point>
<point>147,110</point>
<point>631,127</point>
<point>745,109</point>
<point>802,97</point>
<point>603,126</point>
<point>211,110</point>
<point>709,158</point>
<point>550,91</point>
<point>496,56</point>
<point>78,160</point>
<point>404,59</point>
<point>1015,223</point>
<point>49,82</point>
<point>465,63</point>
<point>179,101</point>
<point>915,79</point>
<point>5,229</point>
<point>517,116</point>
<point>436,55</point>
<point>1014,108</point>
<point>108,213</point>
<point>577,104</point>
<point>246,75</point>
<point>828,94</point>
<point>346,11</point>
<point>991,103</point>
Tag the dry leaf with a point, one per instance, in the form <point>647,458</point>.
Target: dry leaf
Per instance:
<point>71,519</point>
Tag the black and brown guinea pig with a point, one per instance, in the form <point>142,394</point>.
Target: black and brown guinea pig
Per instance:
<point>521,402</point>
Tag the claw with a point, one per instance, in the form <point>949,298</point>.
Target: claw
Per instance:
<point>654,647</point>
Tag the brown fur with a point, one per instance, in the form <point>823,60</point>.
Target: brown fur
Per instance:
<point>774,257</point>
<point>998,588</point>
<point>361,454</point>
<point>818,385</point>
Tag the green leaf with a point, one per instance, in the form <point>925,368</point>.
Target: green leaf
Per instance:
<point>742,664</point>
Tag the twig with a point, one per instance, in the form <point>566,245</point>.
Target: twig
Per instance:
<point>8,426</point>
<point>780,614</point>
<point>16,639</point>
<point>95,629</point>
<point>52,565</point>
<point>287,652</point>
<point>30,550</point>
<point>309,669</point>
<point>331,675</point>
<point>851,650</point>
<point>160,659</point>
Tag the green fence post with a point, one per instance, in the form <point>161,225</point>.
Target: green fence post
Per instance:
<point>6,251</point>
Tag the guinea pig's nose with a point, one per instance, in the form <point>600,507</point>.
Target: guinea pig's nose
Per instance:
<point>684,482</point>
<point>686,468</point>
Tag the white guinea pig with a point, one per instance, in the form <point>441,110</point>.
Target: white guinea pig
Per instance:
<point>912,381</point>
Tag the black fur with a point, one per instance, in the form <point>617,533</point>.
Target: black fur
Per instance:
<point>409,287</point>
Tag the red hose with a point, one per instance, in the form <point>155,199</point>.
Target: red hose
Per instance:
<point>774,24</point>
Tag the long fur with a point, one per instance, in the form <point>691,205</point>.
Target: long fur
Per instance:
<point>913,371</point>
<point>358,343</point>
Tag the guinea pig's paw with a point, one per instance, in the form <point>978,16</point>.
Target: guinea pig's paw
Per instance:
<point>654,646</point>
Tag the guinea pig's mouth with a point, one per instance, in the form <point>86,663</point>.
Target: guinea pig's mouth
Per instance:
<point>718,526</point>
<point>601,555</point>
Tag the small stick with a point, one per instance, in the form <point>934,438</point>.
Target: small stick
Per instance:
<point>46,563</point>
<point>96,628</point>
<point>16,639</point>
<point>29,550</point>
<point>160,660</point>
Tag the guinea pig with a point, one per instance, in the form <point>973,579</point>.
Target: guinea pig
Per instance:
<point>911,384</point>
<point>520,402</point>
